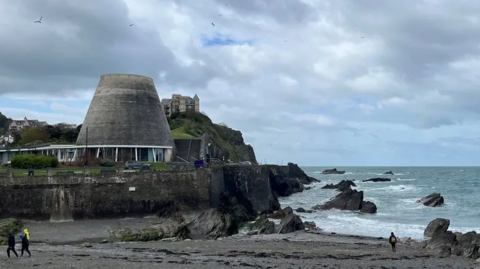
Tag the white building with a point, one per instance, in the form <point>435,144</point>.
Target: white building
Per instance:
<point>6,139</point>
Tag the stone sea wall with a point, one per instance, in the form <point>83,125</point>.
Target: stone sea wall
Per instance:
<point>63,198</point>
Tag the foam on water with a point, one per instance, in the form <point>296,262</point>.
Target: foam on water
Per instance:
<point>398,209</point>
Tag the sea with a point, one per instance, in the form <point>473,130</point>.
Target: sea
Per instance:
<point>398,209</point>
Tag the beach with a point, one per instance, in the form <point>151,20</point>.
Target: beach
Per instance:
<point>79,245</point>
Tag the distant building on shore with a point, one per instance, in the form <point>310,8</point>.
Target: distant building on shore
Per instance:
<point>19,125</point>
<point>179,103</point>
<point>6,139</point>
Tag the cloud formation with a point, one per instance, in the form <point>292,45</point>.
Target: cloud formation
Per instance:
<point>318,82</point>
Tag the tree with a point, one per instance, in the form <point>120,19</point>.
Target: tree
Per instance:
<point>32,135</point>
<point>4,123</point>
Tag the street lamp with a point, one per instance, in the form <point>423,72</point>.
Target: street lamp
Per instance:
<point>208,152</point>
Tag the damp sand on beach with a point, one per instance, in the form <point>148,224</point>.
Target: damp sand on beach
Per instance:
<point>62,245</point>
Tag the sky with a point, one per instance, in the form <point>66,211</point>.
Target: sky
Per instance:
<point>315,82</point>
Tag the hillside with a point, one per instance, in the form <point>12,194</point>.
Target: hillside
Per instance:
<point>4,122</point>
<point>225,141</point>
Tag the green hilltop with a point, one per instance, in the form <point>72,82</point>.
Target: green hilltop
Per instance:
<point>225,141</point>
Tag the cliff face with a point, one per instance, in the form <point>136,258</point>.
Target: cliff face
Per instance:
<point>226,143</point>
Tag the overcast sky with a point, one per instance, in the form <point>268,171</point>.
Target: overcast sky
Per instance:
<point>316,82</point>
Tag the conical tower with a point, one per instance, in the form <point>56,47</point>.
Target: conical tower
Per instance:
<point>126,113</point>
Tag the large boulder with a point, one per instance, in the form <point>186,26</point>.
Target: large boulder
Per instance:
<point>296,172</point>
<point>378,179</point>
<point>436,226</point>
<point>237,206</point>
<point>341,186</point>
<point>282,213</point>
<point>290,224</point>
<point>165,228</point>
<point>440,240</point>
<point>333,171</point>
<point>368,207</point>
<point>467,245</point>
<point>212,224</point>
<point>432,200</point>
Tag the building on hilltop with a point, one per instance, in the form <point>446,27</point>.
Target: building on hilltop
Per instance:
<point>19,125</point>
<point>179,103</point>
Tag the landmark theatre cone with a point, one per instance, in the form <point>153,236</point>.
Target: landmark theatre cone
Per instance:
<point>126,121</point>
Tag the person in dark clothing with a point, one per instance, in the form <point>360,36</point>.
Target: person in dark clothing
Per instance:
<point>25,244</point>
<point>393,241</point>
<point>11,245</point>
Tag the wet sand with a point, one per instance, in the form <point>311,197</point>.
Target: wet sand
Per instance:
<point>61,245</point>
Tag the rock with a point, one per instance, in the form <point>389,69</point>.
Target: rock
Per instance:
<point>237,206</point>
<point>310,225</point>
<point>86,245</point>
<point>290,224</point>
<point>341,186</point>
<point>368,207</point>
<point>7,226</point>
<point>281,182</point>
<point>435,226</point>
<point>388,173</point>
<point>282,213</point>
<point>377,179</point>
<point>333,171</point>
<point>296,172</point>
<point>104,241</point>
<point>467,245</point>
<point>443,252</point>
<point>442,239</point>
<point>348,200</point>
<point>262,226</point>
<point>432,200</point>
<point>167,209</point>
<point>300,210</point>
<point>166,228</point>
<point>212,224</point>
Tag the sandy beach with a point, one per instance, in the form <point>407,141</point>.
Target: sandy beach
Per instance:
<point>79,245</point>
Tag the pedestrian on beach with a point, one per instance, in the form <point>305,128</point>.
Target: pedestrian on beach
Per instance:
<point>11,245</point>
<point>27,234</point>
<point>393,241</point>
<point>25,244</point>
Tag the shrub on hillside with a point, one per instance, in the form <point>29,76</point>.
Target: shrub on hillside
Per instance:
<point>31,161</point>
<point>107,162</point>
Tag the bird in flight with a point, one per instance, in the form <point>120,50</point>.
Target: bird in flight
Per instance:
<point>39,21</point>
<point>213,24</point>
<point>130,25</point>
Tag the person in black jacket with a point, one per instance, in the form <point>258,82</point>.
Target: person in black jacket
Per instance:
<point>11,245</point>
<point>393,240</point>
<point>25,244</point>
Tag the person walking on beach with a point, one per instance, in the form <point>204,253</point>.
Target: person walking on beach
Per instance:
<point>11,245</point>
<point>27,234</point>
<point>393,241</point>
<point>25,244</point>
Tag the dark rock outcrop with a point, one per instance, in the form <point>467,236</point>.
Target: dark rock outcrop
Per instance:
<point>389,173</point>
<point>368,207</point>
<point>467,245</point>
<point>347,200</point>
<point>432,200</point>
<point>436,226</point>
<point>282,213</point>
<point>440,240</point>
<point>378,179</point>
<point>281,183</point>
<point>333,171</point>
<point>341,186</point>
<point>296,172</point>
<point>237,206</point>
<point>262,226</point>
<point>310,225</point>
<point>290,224</point>
<point>212,224</point>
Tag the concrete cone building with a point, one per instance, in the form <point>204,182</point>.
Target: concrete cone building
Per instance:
<point>126,121</point>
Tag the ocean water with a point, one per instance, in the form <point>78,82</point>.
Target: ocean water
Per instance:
<point>398,210</point>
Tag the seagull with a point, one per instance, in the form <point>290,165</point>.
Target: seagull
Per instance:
<point>130,25</point>
<point>39,21</point>
<point>213,24</point>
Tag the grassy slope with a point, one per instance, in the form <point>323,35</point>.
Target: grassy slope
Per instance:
<point>191,124</point>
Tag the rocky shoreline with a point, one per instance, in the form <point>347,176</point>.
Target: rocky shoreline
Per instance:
<point>83,244</point>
